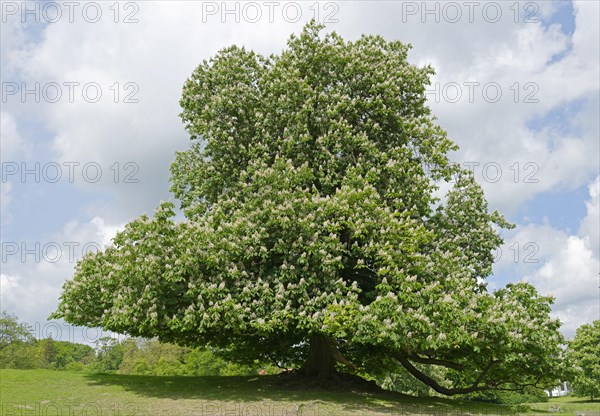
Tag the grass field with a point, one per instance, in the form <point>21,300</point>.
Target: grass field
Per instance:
<point>44,392</point>
<point>569,405</point>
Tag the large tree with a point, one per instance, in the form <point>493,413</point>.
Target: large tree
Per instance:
<point>313,235</point>
<point>584,356</point>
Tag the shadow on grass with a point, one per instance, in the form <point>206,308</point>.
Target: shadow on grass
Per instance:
<point>265,389</point>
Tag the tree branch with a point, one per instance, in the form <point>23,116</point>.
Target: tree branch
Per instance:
<point>339,357</point>
<point>274,361</point>
<point>476,386</point>
<point>434,361</point>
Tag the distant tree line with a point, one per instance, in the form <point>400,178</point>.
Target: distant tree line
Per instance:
<point>19,349</point>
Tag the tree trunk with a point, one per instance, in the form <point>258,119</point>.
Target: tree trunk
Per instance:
<point>321,359</point>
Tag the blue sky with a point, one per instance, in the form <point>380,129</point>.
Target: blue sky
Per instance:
<point>546,149</point>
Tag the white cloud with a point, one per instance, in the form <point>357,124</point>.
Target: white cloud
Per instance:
<point>528,247</point>
<point>13,40</point>
<point>12,148</point>
<point>159,53</point>
<point>559,264</point>
<point>586,15</point>
<point>7,283</point>
<point>536,61</point>
<point>42,266</point>
<point>156,55</point>
<point>590,225</point>
<point>571,275</point>
<point>11,143</point>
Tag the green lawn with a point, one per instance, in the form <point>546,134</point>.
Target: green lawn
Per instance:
<point>44,392</point>
<point>568,405</point>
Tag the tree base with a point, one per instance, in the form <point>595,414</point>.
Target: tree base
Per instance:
<point>321,361</point>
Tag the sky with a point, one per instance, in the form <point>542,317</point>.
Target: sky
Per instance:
<point>89,124</point>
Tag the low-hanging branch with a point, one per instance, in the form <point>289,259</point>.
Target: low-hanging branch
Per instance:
<point>434,361</point>
<point>476,386</point>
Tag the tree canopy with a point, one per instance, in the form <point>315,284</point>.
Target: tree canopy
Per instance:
<point>584,356</point>
<point>12,331</point>
<point>314,232</point>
